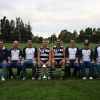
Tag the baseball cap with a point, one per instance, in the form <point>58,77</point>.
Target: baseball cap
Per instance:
<point>86,42</point>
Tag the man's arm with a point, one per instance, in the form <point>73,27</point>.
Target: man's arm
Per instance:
<point>67,55</point>
<point>39,55</point>
<point>50,55</point>
<point>35,54</point>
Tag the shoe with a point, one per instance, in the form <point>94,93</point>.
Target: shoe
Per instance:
<point>11,77</point>
<point>84,78</point>
<point>49,77</point>
<point>39,77</point>
<point>62,77</point>
<point>53,77</point>
<point>24,78</point>
<point>18,77</point>
<point>33,78</point>
<point>98,78</point>
<point>2,79</point>
<point>91,78</point>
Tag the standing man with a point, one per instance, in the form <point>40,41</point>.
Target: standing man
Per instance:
<point>44,57</point>
<point>58,58</point>
<point>72,56</point>
<point>29,59</point>
<point>3,59</point>
<point>14,59</point>
<point>97,57</point>
<point>86,59</point>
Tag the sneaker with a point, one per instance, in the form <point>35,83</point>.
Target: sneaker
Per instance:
<point>62,77</point>
<point>84,78</point>
<point>91,78</point>
<point>39,77</point>
<point>33,78</point>
<point>11,77</point>
<point>2,79</point>
<point>53,77</point>
<point>49,77</point>
<point>18,77</point>
<point>24,78</point>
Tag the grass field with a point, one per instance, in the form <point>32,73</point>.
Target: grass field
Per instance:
<point>70,89</point>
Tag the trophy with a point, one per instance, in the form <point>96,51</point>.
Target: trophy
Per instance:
<point>44,71</point>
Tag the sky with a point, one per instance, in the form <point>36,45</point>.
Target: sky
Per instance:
<point>51,16</point>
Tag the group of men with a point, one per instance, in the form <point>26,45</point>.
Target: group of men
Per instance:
<point>51,57</point>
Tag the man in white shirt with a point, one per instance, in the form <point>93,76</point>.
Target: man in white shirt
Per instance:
<point>86,59</point>
<point>97,57</point>
<point>14,59</point>
<point>29,59</point>
<point>72,56</point>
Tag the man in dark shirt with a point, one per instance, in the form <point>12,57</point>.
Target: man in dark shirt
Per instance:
<point>3,59</point>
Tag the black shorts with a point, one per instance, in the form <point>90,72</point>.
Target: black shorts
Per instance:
<point>44,61</point>
<point>58,61</point>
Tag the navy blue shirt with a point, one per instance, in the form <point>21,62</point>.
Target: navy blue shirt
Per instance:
<point>3,54</point>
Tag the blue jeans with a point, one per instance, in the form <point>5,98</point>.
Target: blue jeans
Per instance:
<point>91,68</point>
<point>29,62</point>
<point>12,64</point>
<point>69,65</point>
<point>98,68</point>
<point>4,66</point>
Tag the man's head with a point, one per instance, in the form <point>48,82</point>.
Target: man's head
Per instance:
<point>1,43</point>
<point>58,42</point>
<point>44,43</point>
<point>86,44</point>
<point>30,42</point>
<point>72,42</point>
<point>15,44</point>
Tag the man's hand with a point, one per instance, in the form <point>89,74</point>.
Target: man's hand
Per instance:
<point>98,60</point>
<point>76,61</point>
<point>81,61</point>
<point>67,61</point>
<point>9,62</point>
<point>23,59</point>
<point>18,61</point>
<point>92,62</point>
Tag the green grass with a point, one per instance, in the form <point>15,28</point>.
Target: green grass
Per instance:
<point>70,89</point>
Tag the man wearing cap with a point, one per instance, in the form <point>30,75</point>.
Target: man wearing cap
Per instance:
<point>86,59</point>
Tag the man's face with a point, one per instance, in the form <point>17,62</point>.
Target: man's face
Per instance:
<point>86,46</point>
<point>29,42</point>
<point>44,43</point>
<point>15,44</point>
<point>1,44</point>
<point>58,42</point>
<point>72,42</point>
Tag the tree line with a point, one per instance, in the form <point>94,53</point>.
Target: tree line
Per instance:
<point>18,30</point>
<point>91,34</point>
<point>14,30</point>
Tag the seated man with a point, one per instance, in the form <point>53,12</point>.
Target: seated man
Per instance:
<point>58,58</point>
<point>3,59</point>
<point>14,59</point>
<point>97,57</point>
<point>72,55</point>
<point>86,59</point>
<point>29,59</point>
<point>44,57</point>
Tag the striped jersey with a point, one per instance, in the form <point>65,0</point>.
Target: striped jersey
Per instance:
<point>44,54</point>
<point>58,53</point>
